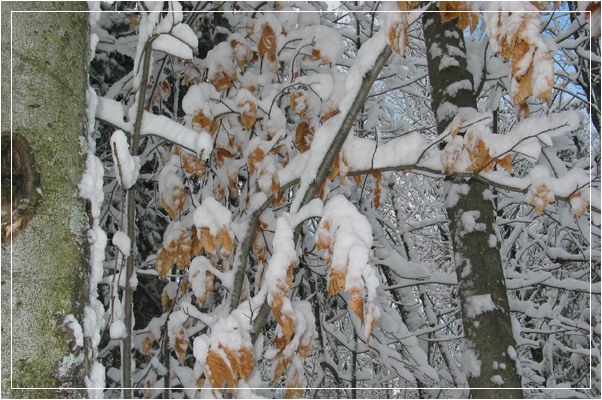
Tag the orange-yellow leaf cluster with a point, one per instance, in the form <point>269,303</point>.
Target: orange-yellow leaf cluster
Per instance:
<point>178,252</point>
<point>193,165</point>
<point>532,68</point>
<point>174,201</point>
<point>200,122</point>
<point>579,203</point>
<point>539,197</point>
<point>299,103</point>
<point>225,366</point>
<point>462,10</point>
<point>248,114</point>
<point>181,345</point>
<point>211,244</point>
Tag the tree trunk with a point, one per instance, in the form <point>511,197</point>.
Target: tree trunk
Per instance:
<point>44,270</point>
<point>489,343</point>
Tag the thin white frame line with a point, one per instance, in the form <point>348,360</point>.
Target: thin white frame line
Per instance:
<point>11,203</point>
<point>299,11</point>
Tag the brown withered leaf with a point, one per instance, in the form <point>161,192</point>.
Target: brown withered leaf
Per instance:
<point>449,10</point>
<point>397,36</point>
<point>165,302</point>
<point>540,197</point>
<point>246,359</point>
<point>222,80</point>
<point>336,281</point>
<point>256,156</point>
<point>249,114</point>
<point>163,263</point>
<point>218,372</point>
<point>356,303</point>
<point>134,20</point>
<point>505,162</point>
<point>184,285</point>
<point>242,53</point>
<point>193,165</point>
<point>299,103</point>
<point>221,154</point>
<point>578,204</point>
<point>200,121</point>
<point>195,246</point>
<point>224,239</point>
<point>334,171</point>
<point>284,319</point>
<point>407,5</point>
<point>276,190</point>
<point>181,345</point>
<point>178,199</point>
<point>207,241</point>
<point>594,13</point>
<point>280,368</point>
<point>323,238</point>
<point>147,344</point>
<point>479,155</point>
<point>241,361</point>
<point>329,114</point>
<point>267,43</point>
<point>304,135</point>
<point>180,250</point>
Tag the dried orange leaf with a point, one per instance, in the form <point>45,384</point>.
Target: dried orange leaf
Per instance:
<point>505,162</point>
<point>181,345</point>
<point>299,103</point>
<point>225,240</point>
<point>329,114</point>
<point>479,155</point>
<point>249,114</point>
<point>218,372</point>
<point>207,241</point>
<point>336,281</point>
<point>164,263</point>
<point>304,135</point>
<point>256,156</point>
<point>267,43</point>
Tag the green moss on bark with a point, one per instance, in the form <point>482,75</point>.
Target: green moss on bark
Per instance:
<point>47,269</point>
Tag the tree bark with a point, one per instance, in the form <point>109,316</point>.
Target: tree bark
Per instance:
<point>489,343</point>
<point>44,270</point>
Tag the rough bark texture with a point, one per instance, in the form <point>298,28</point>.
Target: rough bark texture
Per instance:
<point>488,334</point>
<point>44,268</point>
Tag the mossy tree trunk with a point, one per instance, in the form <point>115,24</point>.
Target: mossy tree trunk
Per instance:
<point>44,266</point>
<point>489,342</point>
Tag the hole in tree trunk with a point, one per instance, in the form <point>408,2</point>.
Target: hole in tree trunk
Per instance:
<point>19,183</point>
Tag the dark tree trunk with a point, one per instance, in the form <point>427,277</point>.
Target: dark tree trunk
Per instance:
<point>488,332</point>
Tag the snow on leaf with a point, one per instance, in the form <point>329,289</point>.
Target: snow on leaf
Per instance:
<point>221,71</point>
<point>579,203</point>
<point>299,103</point>
<point>515,32</point>
<point>201,278</point>
<point>267,43</point>
<point>248,108</point>
<point>540,192</point>
<point>278,277</point>
<point>346,237</point>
